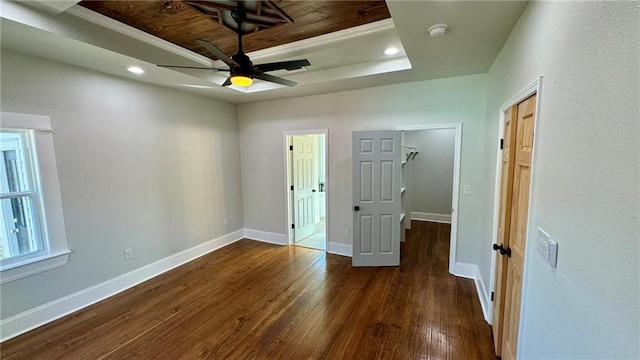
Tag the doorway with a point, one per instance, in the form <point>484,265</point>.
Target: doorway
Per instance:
<point>440,214</point>
<point>380,161</point>
<point>429,175</point>
<point>307,188</point>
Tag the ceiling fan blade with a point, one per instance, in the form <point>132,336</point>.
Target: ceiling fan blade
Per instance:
<point>283,65</point>
<point>227,82</point>
<point>217,52</point>
<point>191,67</point>
<point>274,79</point>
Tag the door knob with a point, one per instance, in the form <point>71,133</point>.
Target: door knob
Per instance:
<point>313,190</point>
<point>356,208</point>
<point>502,250</point>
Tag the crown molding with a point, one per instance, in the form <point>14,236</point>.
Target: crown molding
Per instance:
<point>132,32</point>
<point>298,46</point>
<point>326,39</point>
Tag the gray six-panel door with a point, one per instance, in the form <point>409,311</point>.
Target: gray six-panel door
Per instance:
<point>376,198</point>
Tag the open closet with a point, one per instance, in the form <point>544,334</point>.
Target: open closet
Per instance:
<point>408,154</point>
<point>398,177</point>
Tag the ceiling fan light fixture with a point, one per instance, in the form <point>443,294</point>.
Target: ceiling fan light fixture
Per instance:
<point>241,80</point>
<point>242,71</point>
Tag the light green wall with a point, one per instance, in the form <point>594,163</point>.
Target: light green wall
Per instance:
<point>451,100</point>
<point>140,167</point>
<point>585,176</point>
<point>432,170</point>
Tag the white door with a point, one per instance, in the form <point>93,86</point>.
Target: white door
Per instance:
<point>304,191</point>
<point>376,198</point>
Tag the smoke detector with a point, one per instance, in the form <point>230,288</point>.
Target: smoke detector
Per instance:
<point>437,30</point>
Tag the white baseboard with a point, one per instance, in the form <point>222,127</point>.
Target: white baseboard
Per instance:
<point>33,318</point>
<point>485,299</point>
<point>471,271</point>
<point>467,271</point>
<point>422,216</point>
<point>264,236</point>
<point>340,249</point>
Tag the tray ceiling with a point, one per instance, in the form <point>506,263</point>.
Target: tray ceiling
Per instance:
<point>343,40</point>
<point>181,22</point>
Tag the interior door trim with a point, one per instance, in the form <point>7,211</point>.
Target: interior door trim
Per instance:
<point>453,240</point>
<point>535,87</point>
<point>287,181</point>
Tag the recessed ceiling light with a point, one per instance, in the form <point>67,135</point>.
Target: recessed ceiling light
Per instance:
<point>197,86</point>
<point>135,70</point>
<point>391,50</point>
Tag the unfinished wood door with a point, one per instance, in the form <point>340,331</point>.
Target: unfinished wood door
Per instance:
<point>510,283</point>
<point>506,182</point>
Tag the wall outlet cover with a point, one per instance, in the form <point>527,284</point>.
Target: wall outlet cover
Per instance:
<point>128,254</point>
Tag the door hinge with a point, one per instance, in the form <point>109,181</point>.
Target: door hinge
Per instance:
<point>291,147</point>
<point>492,295</point>
<point>291,187</point>
<point>501,144</point>
<point>293,226</point>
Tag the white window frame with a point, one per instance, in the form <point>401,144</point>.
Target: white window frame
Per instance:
<point>29,188</point>
<point>55,252</point>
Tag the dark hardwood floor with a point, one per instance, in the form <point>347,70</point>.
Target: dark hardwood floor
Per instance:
<point>252,300</point>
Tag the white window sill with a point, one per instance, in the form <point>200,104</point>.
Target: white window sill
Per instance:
<point>33,266</point>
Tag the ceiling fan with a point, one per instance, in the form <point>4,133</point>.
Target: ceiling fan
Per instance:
<point>242,71</point>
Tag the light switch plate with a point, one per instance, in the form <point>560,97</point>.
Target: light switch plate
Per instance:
<point>541,245</point>
<point>547,247</point>
<point>553,252</point>
<point>467,190</point>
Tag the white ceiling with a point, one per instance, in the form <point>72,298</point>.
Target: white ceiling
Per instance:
<point>340,61</point>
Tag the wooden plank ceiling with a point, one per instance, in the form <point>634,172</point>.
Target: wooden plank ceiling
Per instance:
<point>183,21</point>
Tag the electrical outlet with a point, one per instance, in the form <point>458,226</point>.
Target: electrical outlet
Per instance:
<point>347,231</point>
<point>226,221</point>
<point>128,254</point>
